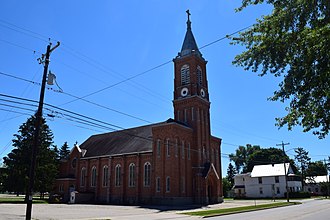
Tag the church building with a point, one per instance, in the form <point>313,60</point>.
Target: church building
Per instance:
<point>172,162</point>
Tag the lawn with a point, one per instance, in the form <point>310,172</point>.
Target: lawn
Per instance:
<point>20,200</point>
<point>215,212</point>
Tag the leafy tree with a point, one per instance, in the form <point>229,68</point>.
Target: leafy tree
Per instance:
<point>317,168</point>
<point>231,172</point>
<point>64,151</point>
<point>241,155</point>
<point>266,156</point>
<point>293,42</point>
<point>226,186</point>
<point>18,161</point>
<point>303,159</point>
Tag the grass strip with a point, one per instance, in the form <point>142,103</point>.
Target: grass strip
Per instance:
<point>216,212</point>
<point>20,200</point>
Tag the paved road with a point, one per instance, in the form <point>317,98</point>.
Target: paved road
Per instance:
<point>309,210</point>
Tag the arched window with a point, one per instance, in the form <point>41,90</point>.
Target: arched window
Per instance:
<point>185,75</point>
<point>93,177</point>
<point>167,147</point>
<point>131,177</point>
<point>147,173</point>
<point>158,184</point>
<point>158,148</point>
<point>83,177</point>
<point>105,176</point>
<point>199,75</point>
<point>118,175</point>
<point>167,184</point>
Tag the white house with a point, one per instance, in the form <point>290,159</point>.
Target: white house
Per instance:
<point>313,184</point>
<point>266,181</point>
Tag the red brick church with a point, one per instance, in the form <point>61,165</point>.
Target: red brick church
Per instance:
<point>173,162</point>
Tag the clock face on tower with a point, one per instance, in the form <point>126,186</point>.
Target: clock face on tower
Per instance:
<point>202,93</point>
<point>184,92</point>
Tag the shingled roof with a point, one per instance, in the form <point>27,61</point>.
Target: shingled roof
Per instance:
<point>138,139</point>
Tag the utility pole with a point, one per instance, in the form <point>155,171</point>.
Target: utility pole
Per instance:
<point>29,193</point>
<point>285,173</point>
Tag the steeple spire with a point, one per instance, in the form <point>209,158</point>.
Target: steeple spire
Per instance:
<point>189,45</point>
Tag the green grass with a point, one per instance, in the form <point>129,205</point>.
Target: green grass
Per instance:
<point>215,212</point>
<point>20,200</point>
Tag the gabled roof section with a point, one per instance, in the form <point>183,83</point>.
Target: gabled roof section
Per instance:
<point>189,45</point>
<point>271,170</point>
<point>133,140</point>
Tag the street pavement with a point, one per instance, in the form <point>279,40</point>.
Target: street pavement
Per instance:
<point>308,210</point>
<point>113,212</point>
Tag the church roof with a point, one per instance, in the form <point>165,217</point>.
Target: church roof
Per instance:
<point>189,45</point>
<point>138,139</point>
<point>128,141</point>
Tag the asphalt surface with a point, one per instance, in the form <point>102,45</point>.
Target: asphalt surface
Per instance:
<point>84,212</point>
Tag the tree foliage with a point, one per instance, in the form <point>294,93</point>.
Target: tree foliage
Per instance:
<point>231,172</point>
<point>293,42</point>
<point>317,168</point>
<point>64,151</point>
<point>241,155</point>
<point>18,161</point>
<point>249,156</point>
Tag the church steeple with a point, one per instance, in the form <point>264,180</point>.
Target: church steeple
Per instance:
<point>189,45</point>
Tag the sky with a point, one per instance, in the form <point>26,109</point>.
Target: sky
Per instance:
<point>117,55</point>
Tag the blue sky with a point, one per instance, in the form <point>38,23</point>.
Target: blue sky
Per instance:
<point>104,43</point>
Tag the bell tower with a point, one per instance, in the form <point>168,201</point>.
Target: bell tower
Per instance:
<point>191,97</point>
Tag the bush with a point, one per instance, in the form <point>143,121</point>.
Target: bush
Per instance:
<point>294,195</point>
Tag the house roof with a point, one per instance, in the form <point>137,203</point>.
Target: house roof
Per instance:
<point>317,179</point>
<point>270,170</point>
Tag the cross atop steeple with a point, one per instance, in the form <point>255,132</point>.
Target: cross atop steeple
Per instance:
<point>188,13</point>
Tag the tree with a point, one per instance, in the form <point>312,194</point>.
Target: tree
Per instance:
<point>241,155</point>
<point>293,42</point>
<point>317,168</point>
<point>303,159</point>
<point>18,161</point>
<point>64,151</point>
<point>266,156</point>
<point>231,172</point>
<point>226,186</point>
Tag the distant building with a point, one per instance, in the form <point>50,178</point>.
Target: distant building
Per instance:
<point>173,162</point>
<point>266,181</point>
<point>313,184</point>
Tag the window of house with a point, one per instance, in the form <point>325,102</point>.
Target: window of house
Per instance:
<point>185,75</point>
<point>158,184</point>
<point>261,191</point>
<point>277,179</point>
<point>105,178</point>
<point>83,177</point>
<point>167,184</point>
<point>183,184</point>
<point>61,188</point>
<point>118,175</point>
<point>167,147</point>
<point>260,180</point>
<point>192,114</point>
<point>158,148</point>
<point>316,189</point>
<point>93,177</point>
<point>182,149</point>
<point>131,177</point>
<point>147,172</point>
<point>278,190</point>
<point>199,75</point>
